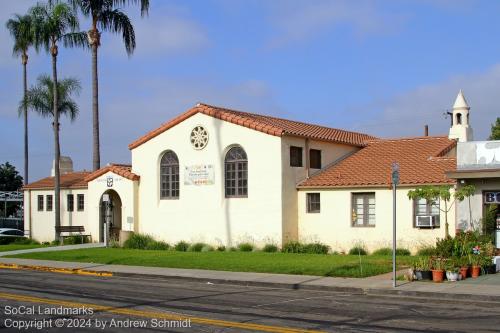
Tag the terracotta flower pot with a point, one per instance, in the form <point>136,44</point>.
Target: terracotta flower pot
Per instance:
<point>463,272</point>
<point>476,270</point>
<point>437,275</point>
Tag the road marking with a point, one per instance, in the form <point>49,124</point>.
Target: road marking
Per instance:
<point>158,315</point>
<point>77,271</point>
<point>298,300</point>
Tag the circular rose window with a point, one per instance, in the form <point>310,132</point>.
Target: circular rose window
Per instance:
<point>199,137</point>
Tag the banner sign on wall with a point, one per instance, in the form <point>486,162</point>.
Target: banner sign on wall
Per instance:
<point>200,174</point>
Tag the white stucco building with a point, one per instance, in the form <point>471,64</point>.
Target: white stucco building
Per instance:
<point>222,176</point>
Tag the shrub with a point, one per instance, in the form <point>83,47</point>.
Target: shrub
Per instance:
<point>387,251</point>
<point>207,248</point>
<point>138,241</point>
<point>426,251</point>
<point>233,249</point>
<point>315,248</point>
<point>182,246</point>
<point>358,250</point>
<point>246,247</point>
<point>26,241</point>
<point>270,248</point>
<point>196,247</point>
<point>76,239</point>
<point>292,247</point>
<point>157,245</point>
<point>221,248</point>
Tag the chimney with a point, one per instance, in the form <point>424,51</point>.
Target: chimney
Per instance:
<point>65,166</point>
<point>426,130</point>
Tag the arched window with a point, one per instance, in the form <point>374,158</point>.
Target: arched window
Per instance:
<point>459,118</point>
<point>236,173</point>
<point>169,176</point>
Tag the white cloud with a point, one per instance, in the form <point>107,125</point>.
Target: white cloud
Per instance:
<point>407,113</point>
<point>172,31</point>
<point>299,20</point>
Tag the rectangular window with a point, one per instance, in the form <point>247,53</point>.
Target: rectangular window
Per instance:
<point>40,203</point>
<point>315,159</point>
<point>49,203</point>
<point>363,209</point>
<point>71,202</point>
<point>313,203</point>
<point>424,207</point>
<point>295,156</point>
<point>80,202</point>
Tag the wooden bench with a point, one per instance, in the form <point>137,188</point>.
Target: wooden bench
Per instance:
<point>80,229</point>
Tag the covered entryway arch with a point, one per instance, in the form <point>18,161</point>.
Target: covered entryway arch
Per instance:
<point>110,206</point>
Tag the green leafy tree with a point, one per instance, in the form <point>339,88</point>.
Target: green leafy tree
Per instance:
<point>435,194</point>
<point>105,15</point>
<point>495,130</point>
<point>56,22</point>
<point>10,180</point>
<point>21,30</point>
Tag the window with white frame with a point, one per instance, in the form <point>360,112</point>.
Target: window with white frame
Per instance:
<point>426,208</point>
<point>363,209</point>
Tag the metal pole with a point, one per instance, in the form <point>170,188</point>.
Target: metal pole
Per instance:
<point>106,224</point>
<point>394,235</point>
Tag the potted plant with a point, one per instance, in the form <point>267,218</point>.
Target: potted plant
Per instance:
<point>476,259</point>
<point>422,269</point>
<point>437,270</point>
<point>463,263</point>
<point>452,270</point>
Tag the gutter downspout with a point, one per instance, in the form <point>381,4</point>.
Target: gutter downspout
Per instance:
<point>308,171</point>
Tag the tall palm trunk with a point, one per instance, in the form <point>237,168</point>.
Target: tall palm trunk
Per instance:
<point>57,153</point>
<point>93,36</point>
<point>25,90</point>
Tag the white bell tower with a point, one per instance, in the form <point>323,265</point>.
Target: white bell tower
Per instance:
<point>460,128</point>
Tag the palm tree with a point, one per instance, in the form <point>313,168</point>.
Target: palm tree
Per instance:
<point>40,97</point>
<point>20,28</point>
<point>106,16</point>
<point>56,22</point>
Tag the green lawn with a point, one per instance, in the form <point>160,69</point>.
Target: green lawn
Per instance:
<point>283,263</point>
<point>13,247</point>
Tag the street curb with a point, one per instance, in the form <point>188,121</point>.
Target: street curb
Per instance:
<point>76,271</point>
<point>299,286</point>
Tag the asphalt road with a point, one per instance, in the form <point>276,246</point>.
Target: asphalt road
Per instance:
<point>118,303</point>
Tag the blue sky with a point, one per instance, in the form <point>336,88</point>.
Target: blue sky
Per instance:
<point>386,68</point>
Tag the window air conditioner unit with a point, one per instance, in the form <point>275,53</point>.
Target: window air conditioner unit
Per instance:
<point>427,221</point>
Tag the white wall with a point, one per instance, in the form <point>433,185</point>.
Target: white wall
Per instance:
<point>476,202</point>
<point>333,224</point>
<point>202,213</point>
<point>330,152</point>
<point>125,188</point>
<point>42,222</point>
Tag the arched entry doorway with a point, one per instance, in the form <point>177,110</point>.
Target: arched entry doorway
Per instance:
<point>111,198</point>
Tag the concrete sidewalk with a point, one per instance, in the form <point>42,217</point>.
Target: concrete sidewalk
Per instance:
<point>484,288</point>
<point>53,248</point>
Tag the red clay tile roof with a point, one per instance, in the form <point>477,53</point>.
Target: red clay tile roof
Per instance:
<point>422,160</point>
<point>124,170</point>
<point>68,180</point>
<point>266,124</point>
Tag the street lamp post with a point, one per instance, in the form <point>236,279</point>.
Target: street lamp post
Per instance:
<point>395,182</point>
